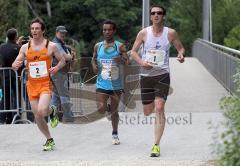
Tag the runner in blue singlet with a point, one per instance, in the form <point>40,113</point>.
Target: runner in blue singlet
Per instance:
<point>108,59</point>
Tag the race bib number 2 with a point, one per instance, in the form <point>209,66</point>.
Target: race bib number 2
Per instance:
<point>38,69</point>
<point>110,70</point>
<point>155,57</point>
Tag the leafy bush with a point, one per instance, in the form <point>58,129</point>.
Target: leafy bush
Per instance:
<point>230,138</point>
<point>233,38</point>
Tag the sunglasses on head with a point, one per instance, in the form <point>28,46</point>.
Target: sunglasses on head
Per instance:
<point>158,13</point>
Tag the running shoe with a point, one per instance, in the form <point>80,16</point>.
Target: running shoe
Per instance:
<point>53,116</point>
<point>49,145</point>
<point>155,151</point>
<point>115,139</point>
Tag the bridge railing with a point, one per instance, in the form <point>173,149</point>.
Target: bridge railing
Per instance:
<point>220,61</point>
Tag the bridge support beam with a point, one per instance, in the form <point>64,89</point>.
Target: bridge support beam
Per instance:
<point>145,13</point>
<point>207,20</point>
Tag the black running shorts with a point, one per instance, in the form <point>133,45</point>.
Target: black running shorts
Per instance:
<point>152,86</point>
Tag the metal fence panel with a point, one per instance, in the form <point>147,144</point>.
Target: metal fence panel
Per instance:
<point>220,61</point>
<point>10,93</point>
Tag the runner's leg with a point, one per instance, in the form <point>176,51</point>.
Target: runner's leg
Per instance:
<point>41,110</point>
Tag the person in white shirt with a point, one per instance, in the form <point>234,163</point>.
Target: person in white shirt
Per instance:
<point>154,62</point>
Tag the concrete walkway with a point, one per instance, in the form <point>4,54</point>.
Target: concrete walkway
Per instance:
<point>186,140</point>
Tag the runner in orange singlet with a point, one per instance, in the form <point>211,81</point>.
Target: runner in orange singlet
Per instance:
<point>39,52</point>
<point>38,64</point>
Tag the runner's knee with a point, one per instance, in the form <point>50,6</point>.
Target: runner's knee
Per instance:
<point>101,107</point>
<point>147,112</point>
<point>39,114</point>
<point>159,108</point>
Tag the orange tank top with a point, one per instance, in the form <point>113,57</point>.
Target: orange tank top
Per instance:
<point>38,63</point>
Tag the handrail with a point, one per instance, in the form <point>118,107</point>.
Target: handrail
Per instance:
<point>223,48</point>
<point>219,60</point>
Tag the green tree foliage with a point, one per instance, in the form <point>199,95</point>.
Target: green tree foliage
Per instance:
<point>3,17</point>
<point>22,22</point>
<point>225,18</point>
<point>14,14</point>
<point>88,17</point>
<point>185,16</point>
<point>83,19</point>
<point>233,38</point>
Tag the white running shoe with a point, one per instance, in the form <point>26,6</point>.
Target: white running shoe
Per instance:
<point>115,140</point>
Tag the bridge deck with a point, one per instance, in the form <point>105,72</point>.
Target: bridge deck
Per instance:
<point>185,142</point>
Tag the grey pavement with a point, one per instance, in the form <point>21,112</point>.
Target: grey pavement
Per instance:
<point>186,140</point>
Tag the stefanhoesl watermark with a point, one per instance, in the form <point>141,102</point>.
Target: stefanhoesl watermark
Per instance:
<point>170,119</point>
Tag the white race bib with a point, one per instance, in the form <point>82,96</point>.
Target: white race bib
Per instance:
<point>110,70</point>
<point>38,69</point>
<point>155,57</point>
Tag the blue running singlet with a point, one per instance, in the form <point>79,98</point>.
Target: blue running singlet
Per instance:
<point>110,73</point>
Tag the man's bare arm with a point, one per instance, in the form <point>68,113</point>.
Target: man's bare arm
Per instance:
<point>94,59</point>
<point>123,59</point>
<point>136,46</point>
<point>177,44</point>
<point>68,56</point>
<point>20,58</point>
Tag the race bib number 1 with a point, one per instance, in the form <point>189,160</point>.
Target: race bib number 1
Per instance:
<point>38,69</point>
<point>155,57</point>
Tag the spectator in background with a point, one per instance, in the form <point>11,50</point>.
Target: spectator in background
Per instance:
<point>26,104</point>
<point>23,40</point>
<point>61,96</point>
<point>8,53</point>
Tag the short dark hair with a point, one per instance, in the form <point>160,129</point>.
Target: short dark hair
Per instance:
<point>159,6</point>
<point>111,22</point>
<point>12,34</point>
<point>40,21</point>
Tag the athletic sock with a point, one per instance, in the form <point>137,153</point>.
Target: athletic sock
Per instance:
<point>115,133</point>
